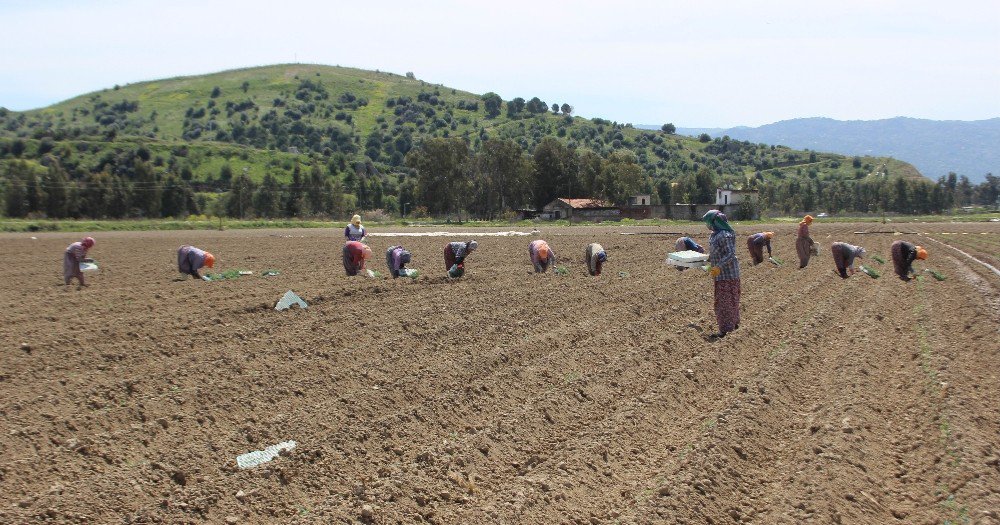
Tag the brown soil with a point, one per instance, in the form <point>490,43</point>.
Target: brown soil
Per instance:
<point>503,397</point>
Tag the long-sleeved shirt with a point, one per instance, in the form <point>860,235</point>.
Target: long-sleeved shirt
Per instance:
<point>395,258</point>
<point>593,256</point>
<point>354,257</point>
<point>759,239</point>
<point>459,249</point>
<point>803,229</point>
<point>848,252</point>
<point>723,255</point>
<point>74,255</point>
<point>533,251</point>
<point>687,243</point>
<point>354,233</point>
<point>190,260</point>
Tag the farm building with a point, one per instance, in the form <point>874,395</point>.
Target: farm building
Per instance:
<point>579,210</point>
<point>725,197</point>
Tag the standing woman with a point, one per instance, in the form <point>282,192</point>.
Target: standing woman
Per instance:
<point>191,259</point>
<point>803,244</point>
<point>355,255</point>
<point>594,257</point>
<point>725,268</point>
<point>396,258</point>
<point>75,254</point>
<point>756,244</point>
<point>542,257</point>
<point>455,254</point>
<point>903,255</point>
<point>687,244</point>
<point>844,255</point>
<point>355,231</point>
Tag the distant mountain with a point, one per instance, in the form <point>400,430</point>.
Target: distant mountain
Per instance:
<point>935,147</point>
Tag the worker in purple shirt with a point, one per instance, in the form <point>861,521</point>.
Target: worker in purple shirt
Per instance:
<point>756,244</point>
<point>396,258</point>
<point>191,259</point>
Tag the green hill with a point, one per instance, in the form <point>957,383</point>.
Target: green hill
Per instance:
<point>206,130</point>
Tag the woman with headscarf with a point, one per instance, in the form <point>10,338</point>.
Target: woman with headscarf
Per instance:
<point>455,254</point>
<point>803,243</point>
<point>191,259</point>
<point>725,269</point>
<point>903,255</point>
<point>542,257</point>
<point>75,254</point>
<point>355,231</point>
<point>687,244</point>
<point>396,258</point>
<point>756,244</point>
<point>355,255</point>
<point>594,257</point>
<point>844,255</point>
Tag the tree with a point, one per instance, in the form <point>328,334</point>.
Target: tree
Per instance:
<point>442,166</point>
<point>590,166</point>
<point>555,108</point>
<point>15,195</point>
<point>703,190</point>
<point>502,173</point>
<point>296,198</point>
<point>175,197</point>
<point>704,137</point>
<point>536,106</point>
<point>669,129</point>
<point>963,191</point>
<point>56,185</point>
<point>566,109</point>
<point>239,204</point>
<point>622,175</point>
<point>267,199</point>
<point>147,190</point>
<point>515,107</point>
<point>492,102</point>
<point>554,171</point>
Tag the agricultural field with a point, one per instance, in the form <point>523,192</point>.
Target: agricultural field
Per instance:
<point>502,397</point>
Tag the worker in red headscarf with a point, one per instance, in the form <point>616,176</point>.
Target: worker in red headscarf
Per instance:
<point>191,259</point>
<point>355,255</point>
<point>542,257</point>
<point>75,254</point>
<point>803,242</point>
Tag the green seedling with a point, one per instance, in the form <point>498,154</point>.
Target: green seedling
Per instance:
<point>870,272</point>
<point>269,273</point>
<point>776,261</point>
<point>937,275</point>
<point>878,259</point>
<point>623,274</point>
<point>561,270</point>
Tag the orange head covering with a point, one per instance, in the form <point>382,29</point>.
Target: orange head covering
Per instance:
<point>808,219</point>
<point>543,252</point>
<point>921,253</point>
<point>209,260</point>
<point>769,235</point>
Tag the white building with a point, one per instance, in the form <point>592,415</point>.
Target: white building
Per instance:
<point>727,197</point>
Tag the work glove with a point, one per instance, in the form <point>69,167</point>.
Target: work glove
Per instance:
<point>714,271</point>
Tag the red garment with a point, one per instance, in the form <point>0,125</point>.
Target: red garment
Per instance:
<point>727,304</point>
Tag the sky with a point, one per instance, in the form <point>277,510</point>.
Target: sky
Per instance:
<point>694,64</point>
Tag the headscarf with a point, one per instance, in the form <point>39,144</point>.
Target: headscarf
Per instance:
<point>716,220</point>
<point>543,252</point>
<point>602,256</point>
<point>366,252</point>
<point>768,235</point>
<point>87,242</point>
<point>921,253</point>
<point>471,246</point>
<point>356,220</point>
<point>808,219</point>
<point>860,252</point>
<point>209,260</point>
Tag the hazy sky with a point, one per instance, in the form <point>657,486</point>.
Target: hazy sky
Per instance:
<point>695,64</point>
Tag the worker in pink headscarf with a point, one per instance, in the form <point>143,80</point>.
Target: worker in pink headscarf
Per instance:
<point>542,257</point>
<point>76,253</point>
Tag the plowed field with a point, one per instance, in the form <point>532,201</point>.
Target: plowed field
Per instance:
<point>502,397</point>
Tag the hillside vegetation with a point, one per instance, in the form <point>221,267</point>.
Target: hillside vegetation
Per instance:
<point>312,140</point>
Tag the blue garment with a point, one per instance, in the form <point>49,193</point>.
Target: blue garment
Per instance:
<point>723,255</point>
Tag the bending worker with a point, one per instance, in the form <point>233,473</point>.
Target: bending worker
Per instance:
<point>542,257</point>
<point>903,255</point>
<point>396,258</point>
<point>756,244</point>
<point>844,255</point>
<point>355,255</point>
<point>725,269</point>
<point>594,257</point>
<point>455,254</point>
<point>75,254</point>
<point>191,259</point>
<point>687,244</point>
<point>803,242</point>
